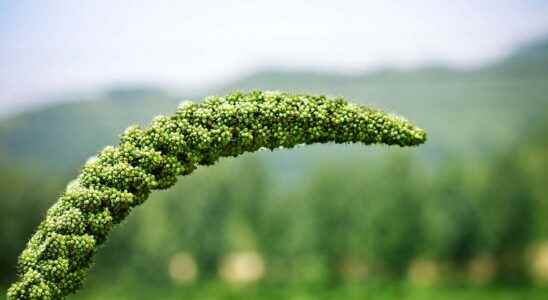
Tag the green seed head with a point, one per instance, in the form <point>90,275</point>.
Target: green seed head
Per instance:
<point>119,178</point>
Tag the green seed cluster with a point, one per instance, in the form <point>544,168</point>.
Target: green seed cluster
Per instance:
<point>59,254</point>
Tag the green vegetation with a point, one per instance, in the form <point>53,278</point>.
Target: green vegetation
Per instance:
<point>380,290</point>
<point>461,217</point>
<point>57,257</point>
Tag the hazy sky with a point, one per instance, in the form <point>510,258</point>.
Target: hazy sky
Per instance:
<point>49,47</point>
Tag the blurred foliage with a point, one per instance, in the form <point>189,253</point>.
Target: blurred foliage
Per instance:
<point>24,198</point>
<point>379,214</point>
<point>377,290</point>
<point>448,215</point>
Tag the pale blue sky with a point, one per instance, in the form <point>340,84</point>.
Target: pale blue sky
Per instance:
<point>50,47</point>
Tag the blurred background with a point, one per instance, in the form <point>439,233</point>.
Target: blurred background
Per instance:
<point>464,216</point>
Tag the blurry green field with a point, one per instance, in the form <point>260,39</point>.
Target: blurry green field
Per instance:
<point>368,291</point>
<point>471,202</point>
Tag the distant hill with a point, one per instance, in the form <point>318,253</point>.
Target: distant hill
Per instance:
<point>528,61</point>
<point>67,133</point>
<point>474,111</point>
